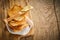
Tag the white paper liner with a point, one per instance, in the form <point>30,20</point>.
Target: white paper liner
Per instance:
<point>25,30</point>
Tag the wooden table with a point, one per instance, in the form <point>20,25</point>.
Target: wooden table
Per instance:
<point>44,18</point>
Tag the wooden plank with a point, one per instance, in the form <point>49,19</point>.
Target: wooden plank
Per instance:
<point>57,6</point>
<point>29,38</point>
<point>44,19</point>
<point>1,19</point>
<point>5,33</point>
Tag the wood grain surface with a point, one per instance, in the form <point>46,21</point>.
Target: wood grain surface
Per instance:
<point>45,19</point>
<point>45,15</point>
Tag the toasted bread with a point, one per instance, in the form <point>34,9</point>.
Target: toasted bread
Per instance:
<point>14,10</point>
<point>16,23</point>
<point>19,28</point>
<point>19,18</point>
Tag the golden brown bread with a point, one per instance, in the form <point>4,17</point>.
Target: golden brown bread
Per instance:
<point>14,10</point>
<point>17,11</point>
<point>16,23</point>
<point>19,28</point>
<point>19,18</point>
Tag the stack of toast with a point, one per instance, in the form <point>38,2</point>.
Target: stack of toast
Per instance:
<point>16,18</point>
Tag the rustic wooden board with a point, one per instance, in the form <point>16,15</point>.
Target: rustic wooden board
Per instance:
<point>45,21</point>
<point>57,6</point>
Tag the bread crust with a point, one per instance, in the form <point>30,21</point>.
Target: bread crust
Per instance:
<point>15,9</point>
<point>16,23</point>
<point>19,28</point>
